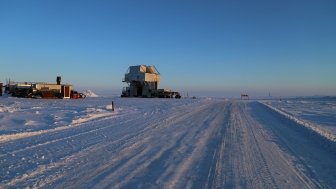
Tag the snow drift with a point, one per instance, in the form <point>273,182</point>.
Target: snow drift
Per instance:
<point>89,93</point>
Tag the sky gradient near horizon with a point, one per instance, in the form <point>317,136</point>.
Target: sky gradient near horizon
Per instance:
<point>208,48</point>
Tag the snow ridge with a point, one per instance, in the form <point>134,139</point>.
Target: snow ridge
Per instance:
<point>89,93</point>
<point>311,127</point>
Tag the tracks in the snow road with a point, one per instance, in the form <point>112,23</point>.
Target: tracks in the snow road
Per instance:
<point>218,144</point>
<point>58,149</point>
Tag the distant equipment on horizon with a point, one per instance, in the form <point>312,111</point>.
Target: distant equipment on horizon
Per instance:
<point>1,86</point>
<point>42,90</point>
<point>244,96</point>
<point>143,81</point>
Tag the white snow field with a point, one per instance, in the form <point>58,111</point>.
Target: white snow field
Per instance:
<point>317,110</point>
<point>161,143</point>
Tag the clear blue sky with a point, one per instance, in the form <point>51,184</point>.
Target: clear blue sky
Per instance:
<point>215,48</point>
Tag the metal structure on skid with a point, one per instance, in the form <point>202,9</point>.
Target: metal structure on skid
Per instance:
<point>143,81</point>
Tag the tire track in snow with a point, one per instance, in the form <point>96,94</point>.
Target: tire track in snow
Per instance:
<point>216,168</point>
<point>217,144</point>
<point>53,136</point>
<point>47,149</point>
<point>271,166</point>
<point>62,144</point>
<point>265,176</point>
<point>10,137</point>
<point>310,161</point>
<point>188,171</point>
<point>167,130</point>
<point>238,147</point>
<point>80,137</point>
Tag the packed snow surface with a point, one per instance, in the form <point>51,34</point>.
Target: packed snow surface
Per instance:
<point>160,143</point>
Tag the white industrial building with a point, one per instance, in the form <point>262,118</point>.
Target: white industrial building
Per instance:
<point>143,81</point>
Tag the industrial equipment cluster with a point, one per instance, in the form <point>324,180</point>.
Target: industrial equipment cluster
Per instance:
<point>142,81</point>
<point>41,90</point>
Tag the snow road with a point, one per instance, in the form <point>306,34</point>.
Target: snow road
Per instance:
<point>171,144</point>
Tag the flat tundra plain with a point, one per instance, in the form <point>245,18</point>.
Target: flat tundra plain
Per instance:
<point>159,143</point>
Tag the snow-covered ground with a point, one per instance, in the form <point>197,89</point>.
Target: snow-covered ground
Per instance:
<point>320,111</point>
<point>162,143</point>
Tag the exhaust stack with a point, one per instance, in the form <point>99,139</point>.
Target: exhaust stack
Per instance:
<point>58,80</point>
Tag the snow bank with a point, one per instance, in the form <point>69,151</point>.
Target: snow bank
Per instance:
<point>91,114</point>
<point>311,127</point>
<point>89,93</point>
